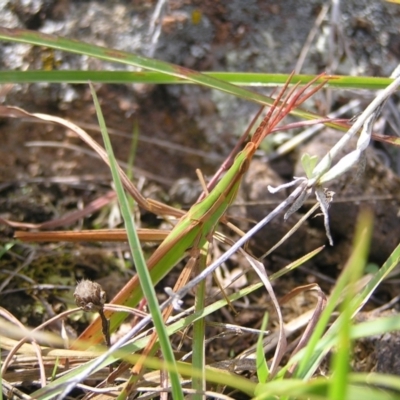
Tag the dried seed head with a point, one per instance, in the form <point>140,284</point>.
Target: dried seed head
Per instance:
<point>90,296</point>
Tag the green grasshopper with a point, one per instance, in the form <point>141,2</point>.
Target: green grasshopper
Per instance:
<point>198,224</point>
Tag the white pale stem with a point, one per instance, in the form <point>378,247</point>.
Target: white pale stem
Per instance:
<point>325,163</point>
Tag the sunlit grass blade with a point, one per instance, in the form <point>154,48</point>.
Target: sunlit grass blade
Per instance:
<point>358,256</point>
<point>262,366</point>
<point>362,330</point>
<point>341,358</point>
<point>317,389</point>
<point>380,380</point>
<point>372,329</point>
<point>8,246</point>
<point>138,257</point>
<point>157,78</point>
<point>296,263</point>
<point>377,326</point>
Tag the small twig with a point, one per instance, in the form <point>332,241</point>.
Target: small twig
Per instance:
<point>313,32</point>
<point>291,231</point>
<point>105,327</point>
<point>155,27</point>
<point>11,392</point>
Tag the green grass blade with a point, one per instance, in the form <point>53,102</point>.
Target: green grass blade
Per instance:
<point>341,358</point>
<point>133,150</point>
<point>122,57</point>
<point>262,366</point>
<point>382,380</point>
<point>198,382</point>
<point>306,361</point>
<point>378,277</point>
<point>361,330</point>
<point>293,265</point>
<point>8,246</point>
<point>317,389</point>
<point>141,267</point>
<point>378,326</point>
<point>157,78</point>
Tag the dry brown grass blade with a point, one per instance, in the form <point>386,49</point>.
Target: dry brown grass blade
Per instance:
<point>8,316</point>
<point>98,235</point>
<point>11,392</point>
<point>282,342</point>
<point>36,334</point>
<point>319,308</point>
<point>284,104</point>
<point>156,208</point>
<point>68,218</point>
